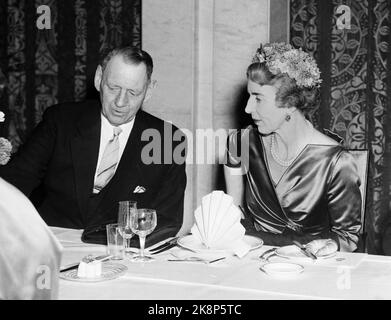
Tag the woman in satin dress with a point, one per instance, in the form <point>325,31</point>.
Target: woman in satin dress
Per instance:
<point>299,184</point>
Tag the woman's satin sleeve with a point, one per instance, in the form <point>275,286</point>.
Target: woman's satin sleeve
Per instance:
<point>344,201</point>
<point>232,159</point>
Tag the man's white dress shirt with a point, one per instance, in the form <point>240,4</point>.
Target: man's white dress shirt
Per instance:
<point>106,133</point>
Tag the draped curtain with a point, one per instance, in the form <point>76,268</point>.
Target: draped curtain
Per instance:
<point>356,88</point>
<point>48,66</point>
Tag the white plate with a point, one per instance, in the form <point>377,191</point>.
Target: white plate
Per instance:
<point>192,243</point>
<point>282,268</point>
<point>293,252</point>
<point>109,271</point>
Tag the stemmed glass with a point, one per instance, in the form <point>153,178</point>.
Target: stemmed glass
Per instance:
<point>143,222</point>
<point>126,208</point>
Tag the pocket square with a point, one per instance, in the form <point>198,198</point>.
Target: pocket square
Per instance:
<point>139,189</point>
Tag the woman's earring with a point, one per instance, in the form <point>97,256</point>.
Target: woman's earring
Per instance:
<point>287,117</point>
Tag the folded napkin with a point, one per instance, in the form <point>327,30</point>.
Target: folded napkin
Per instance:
<point>217,224</point>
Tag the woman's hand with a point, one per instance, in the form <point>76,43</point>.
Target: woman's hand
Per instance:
<point>322,247</point>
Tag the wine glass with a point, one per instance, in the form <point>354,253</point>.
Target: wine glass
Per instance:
<point>124,216</point>
<point>143,222</point>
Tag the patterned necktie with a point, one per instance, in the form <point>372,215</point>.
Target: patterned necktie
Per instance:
<point>108,163</point>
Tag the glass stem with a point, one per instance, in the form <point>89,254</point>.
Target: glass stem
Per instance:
<point>127,245</point>
<point>142,245</point>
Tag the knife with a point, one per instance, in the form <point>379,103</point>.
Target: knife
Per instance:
<point>76,264</point>
<point>167,247</point>
<point>303,249</point>
<point>197,260</point>
<point>69,267</point>
<point>167,243</point>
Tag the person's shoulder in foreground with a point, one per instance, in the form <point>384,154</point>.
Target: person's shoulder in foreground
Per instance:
<point>30,254</point>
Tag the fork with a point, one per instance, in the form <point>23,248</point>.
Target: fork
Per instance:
<point>90,259</point>
<point>272,253</point>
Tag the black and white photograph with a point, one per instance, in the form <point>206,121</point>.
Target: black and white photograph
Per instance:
<point>209,152</point>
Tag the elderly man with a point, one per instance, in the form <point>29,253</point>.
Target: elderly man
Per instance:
<point>89,156</point>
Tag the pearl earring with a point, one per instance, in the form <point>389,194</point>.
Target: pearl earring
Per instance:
<point>287,117</point>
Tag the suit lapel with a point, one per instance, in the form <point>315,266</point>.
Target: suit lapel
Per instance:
<point>85,150</point>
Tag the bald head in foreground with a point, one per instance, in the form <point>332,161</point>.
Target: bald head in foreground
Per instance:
<point>30,255</point>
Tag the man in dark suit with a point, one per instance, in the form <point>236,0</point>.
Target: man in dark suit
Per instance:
<point>88,156</point>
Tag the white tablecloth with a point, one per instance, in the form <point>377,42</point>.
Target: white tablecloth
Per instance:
<point>357,276</point>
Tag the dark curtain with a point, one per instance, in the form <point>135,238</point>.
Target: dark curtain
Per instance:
<point>356,89</point>
<point>49,66</point>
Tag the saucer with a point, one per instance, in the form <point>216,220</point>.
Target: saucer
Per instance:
<point>282,269</point>
<point>192,243</point>
<point>109,271</point>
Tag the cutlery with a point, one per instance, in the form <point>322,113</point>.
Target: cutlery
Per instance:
<point>69,267</point>
<point>92,259</point>
<point>166,243</point>
<point>167,247</point>
<point>304,250</point>
<point>215,260</point>
<point>263,270</point>
<point>272,251</point>
<point>196,259</point>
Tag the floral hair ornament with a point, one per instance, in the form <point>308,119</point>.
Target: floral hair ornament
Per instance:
<point>280,57</point>
<point>5,146</point>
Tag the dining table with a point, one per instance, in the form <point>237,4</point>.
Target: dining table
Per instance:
<point>342,276</point>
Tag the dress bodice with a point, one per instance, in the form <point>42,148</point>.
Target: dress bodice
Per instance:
<point>318,192</point>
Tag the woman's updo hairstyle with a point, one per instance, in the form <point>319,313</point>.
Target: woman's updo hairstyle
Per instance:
<point>289,94</point>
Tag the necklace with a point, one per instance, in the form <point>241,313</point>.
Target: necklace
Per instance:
<point>283,163</point>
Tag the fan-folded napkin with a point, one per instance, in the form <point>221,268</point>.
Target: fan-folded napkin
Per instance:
<point>217,224</point>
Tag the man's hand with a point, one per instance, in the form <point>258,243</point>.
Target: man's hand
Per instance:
<point>322,247</point>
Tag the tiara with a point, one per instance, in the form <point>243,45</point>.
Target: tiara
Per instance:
<point>280,57</point>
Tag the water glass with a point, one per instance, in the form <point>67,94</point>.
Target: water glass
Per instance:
<point>115,242</point>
